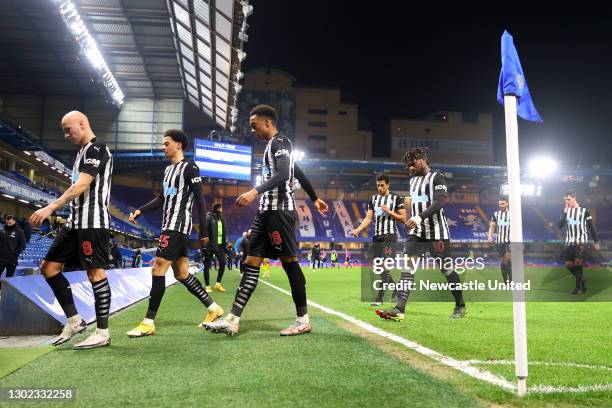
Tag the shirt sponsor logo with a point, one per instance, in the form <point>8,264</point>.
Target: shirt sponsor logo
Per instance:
<point>94,162</point>
<point>281,152</point>
<point>416,198</point>
<point>573,221</point>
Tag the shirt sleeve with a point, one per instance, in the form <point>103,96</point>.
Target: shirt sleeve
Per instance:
<point>439,186</point>
<point>589,221</point>
<point>194,181</point>
<point>494,218</point>
<point>281,153</point>
<point>440,194</point>
<point>304,182</point>
<point>399,203</point>
<point>95,158</point>
<point>370,205</point>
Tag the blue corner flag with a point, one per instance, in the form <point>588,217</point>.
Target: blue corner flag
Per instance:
<point>512,81</point>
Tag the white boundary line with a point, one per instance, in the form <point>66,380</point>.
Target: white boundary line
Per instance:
<point>448,361</point>
<point>465,366</point>
<point>541,363</point>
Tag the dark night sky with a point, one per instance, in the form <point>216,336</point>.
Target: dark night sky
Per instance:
<point>398,59</point>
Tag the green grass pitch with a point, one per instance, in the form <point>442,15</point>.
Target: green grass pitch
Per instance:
<point>333,366</point>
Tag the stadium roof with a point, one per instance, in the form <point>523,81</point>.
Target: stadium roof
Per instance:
<point>155,49</point>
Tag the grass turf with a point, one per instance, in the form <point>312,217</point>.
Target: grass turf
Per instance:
<point>11,359</point>
<point>183,366</point>
<point>557,332</point>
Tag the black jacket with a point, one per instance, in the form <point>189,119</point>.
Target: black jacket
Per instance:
<point>244,248</point>
<point>117,260</point>
<point>211,229</point>
<point>12,243</point>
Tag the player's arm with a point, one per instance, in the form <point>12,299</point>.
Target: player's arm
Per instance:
<point>589,222</point>
<point>281,152</point>
<point>309,189</point>
<point>364,223</point>
<point>400,215</point>
<point>95,159</point>
<point>440,197</point>
<point>194,181</point>
<point>492,226</point>
<point>154,204</point>
<point>562,220</point>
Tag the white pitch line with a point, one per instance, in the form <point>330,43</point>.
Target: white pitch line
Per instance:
<point>462,366</point>
<point>549,389</point>
<point>541,363</point>
<point>465,366</point>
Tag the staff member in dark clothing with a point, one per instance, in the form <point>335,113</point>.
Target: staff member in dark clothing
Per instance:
<point>27,229</point>
<point>12,243</point>
<point>229,250</point>
<point>215,227</point>
<point>117,258</point>
<point>243,249</point>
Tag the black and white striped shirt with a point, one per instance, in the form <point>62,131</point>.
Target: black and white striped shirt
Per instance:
<point>502,226</point>
<point>422,190</point>
<point>180,180</point>
<point>576,225</point>
<point>384,223</point>
<point>280,197</point>
<point>90,209</point>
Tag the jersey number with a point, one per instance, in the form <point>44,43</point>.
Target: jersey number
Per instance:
<point>276,238</point>
<point>163,241</point>
<point>87,249</point>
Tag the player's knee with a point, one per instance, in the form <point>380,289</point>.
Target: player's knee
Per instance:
<point>578,262</point>
<point>96,275</point>
<point>569,264</point>
<point>181,274</point>
<point>50,269</point>
<point>253,261</point>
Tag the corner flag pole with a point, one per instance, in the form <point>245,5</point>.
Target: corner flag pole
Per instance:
<point>516,239</point>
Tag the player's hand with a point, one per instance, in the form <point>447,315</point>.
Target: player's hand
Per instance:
<point>490,239</point>
<point>410,224</point>
<point>566,208</point>
<point>321,206</point>
<point>134,215</point>
<point>246,198</point>
<point>204,241</point>
<point>355,233</point>
<point>39,216</point>
<point>385,208</point>
<point>596,246</point>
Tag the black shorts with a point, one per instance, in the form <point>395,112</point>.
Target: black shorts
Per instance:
<point>437,248</point>
<point>172,245</point>
<point>385,246</point>
<point>502,249</point>
<point>575,252</point>
<point>273,234</point>
<point>82,248</point>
